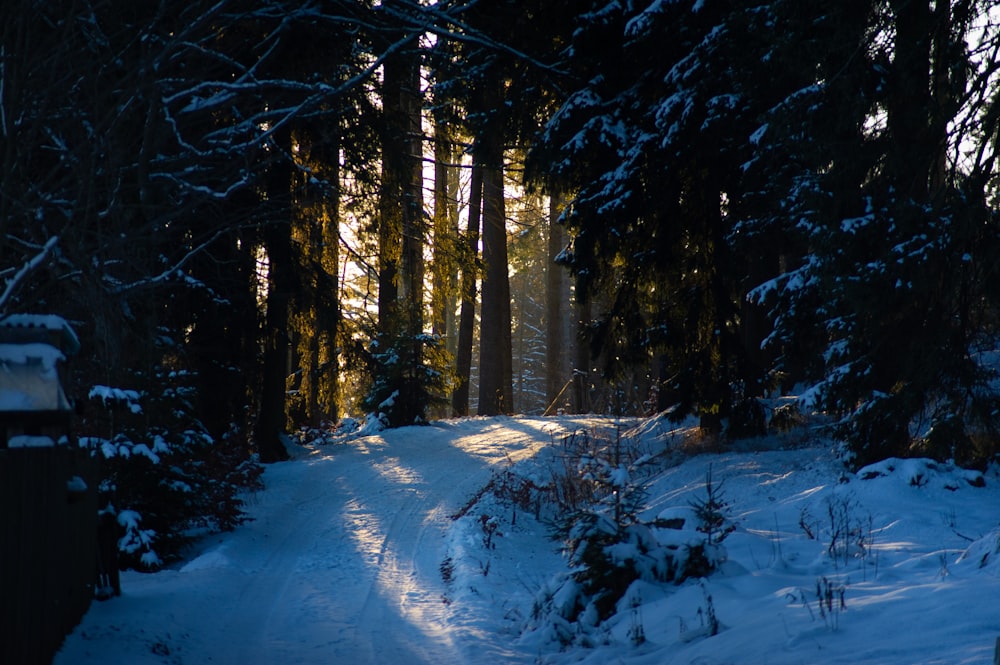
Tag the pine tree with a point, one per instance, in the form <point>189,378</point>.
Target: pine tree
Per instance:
<point>888,269</point>
<point>495,369</point>
<point>528,262</point>
<point>653,156</point>
<point>558,336</point>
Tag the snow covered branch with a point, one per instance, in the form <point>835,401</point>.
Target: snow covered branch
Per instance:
<point>26,269</point>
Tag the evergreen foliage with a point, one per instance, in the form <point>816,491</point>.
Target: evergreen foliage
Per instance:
<point>610,545</point>
<point>817,159</point>
<point>165,478</point>
<point>889,231</point>
<point>528,262</point>
<point>411,378</point>
<point>651,216</point>
<point>189,184</point>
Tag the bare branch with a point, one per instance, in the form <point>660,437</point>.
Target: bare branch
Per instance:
<point>173,269</point>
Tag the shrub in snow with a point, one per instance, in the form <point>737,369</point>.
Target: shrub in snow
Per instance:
<point>938,421</point>
<point>747,417</point>
<point>830,601</point>
<point>712,511</point>
<point>164,476</point>
<point>342,431</point>
<point>137,543</point>
<point>610,549</point>
<point>708,621</point>
<point>847,528</point>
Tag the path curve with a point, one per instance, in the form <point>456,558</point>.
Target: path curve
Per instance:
<point>341,564</point>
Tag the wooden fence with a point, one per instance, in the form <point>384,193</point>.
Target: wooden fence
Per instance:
<point>48,549</point>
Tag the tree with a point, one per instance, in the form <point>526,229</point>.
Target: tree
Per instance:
<point>495,373</point>
<point>146,200</point>
<point>282,283</point>
<point>650,153</point>
<point>528,261</point>
<point>299,228</point>
<point>504,53</point>
<point>444,295</point>
<point>470,273</point>
<point>407,363</point>
<point>315,232</point>
<point>891,272</point>
<point>557,303</point>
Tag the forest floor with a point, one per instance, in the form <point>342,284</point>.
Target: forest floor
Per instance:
<point>396,548</point>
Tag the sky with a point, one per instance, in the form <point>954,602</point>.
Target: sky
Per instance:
<point>393,547</point>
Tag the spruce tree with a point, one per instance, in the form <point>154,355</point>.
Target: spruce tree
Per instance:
<point>649,141</point>
<point>891,229</point>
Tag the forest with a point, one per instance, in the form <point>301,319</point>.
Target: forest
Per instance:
<point>264,217</point>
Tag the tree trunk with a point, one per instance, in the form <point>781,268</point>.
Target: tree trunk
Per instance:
<point>402,232</point>
<point>556,308</point>
<point>223,341</point>
<point>271,420</point>
<point>912,152</point>
<point>581,373</point>
<point>470,272</point>
<point>453,294</point>
<point>445,265</point>
<point>946,87</point>
<point>315,319</point>
<point>390,223</point>
<point>495,364</point>
<point>325,245</point>
<point>329,323</point>
<point>409,161</point>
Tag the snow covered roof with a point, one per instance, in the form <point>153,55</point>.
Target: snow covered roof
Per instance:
<point>29,380</point>
<point>31,346</point>
<point>50,328</point>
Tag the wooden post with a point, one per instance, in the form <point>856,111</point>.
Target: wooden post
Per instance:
<point>996,653</point>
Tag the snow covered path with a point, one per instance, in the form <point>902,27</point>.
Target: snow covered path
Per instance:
<point>342,563</point>
<point>353,559</point>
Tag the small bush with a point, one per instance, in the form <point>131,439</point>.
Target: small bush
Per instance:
<point>165,479</point>
<point>610,548</point>
<point>848,534</point>
<point>830,601</point>
<point>747,419</point>
<point>712,512</point>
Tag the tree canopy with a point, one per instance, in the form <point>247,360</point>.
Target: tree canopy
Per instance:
<point>266,216</point>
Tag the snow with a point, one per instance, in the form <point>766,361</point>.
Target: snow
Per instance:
<point>404,546</point>
<point>46,321</point>
<point>758,134</point>
<point>106,394</point>
<point>21,354</point>
<point>76,484</point>
<point>641,24</point>
<point>28,378</point>
<point>30,441</point>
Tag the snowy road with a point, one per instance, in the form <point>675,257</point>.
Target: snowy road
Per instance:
<point>342,563</point>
